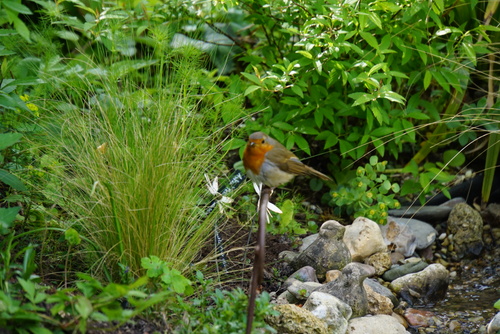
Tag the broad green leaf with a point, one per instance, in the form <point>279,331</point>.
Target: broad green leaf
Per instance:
<point>297,90</point>
<point>16,7</point>
<point>83,306</point>
<point>9,139</point>
<point>306,54</point>
<point>453,158</point>
<point>427,79</point>
<point>372,41</point>
<point>251,89</point>
<point>22,29</point>
<point>68,35</point>
<point>252,77</point>
<point>361,98</point>
<point>7,217</point>
<point>393,96</point>
<point>302,143</point>
<point>12,180</point>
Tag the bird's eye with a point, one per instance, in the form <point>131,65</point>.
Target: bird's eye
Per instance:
<point>263,141</point>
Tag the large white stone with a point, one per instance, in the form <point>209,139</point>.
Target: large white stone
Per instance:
<point>330,309</point>
<point>364,238</point>
<point>376,324</point>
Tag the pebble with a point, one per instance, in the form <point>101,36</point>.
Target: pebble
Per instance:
<point>419,318</point>
<point>455,326</point>
<point>442,236</point>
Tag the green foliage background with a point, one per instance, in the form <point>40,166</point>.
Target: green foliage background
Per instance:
<point>95,84</point>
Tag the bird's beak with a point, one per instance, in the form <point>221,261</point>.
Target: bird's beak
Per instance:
<point>251,144</point>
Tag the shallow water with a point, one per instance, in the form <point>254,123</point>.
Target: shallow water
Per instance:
<point>470,297</point>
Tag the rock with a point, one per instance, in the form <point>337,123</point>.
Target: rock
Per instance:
<point>307,241</point>
<point>304,274</point>
<point>426,286</point>
<point>455,326</point>
<point>399,239</point>
<point>424,233</point>
<point>327,252</point>
<point>380,261</point>
<point>494,325</point>
<point>375,324</point>
<point>428,213</point>
<point>334,312</point>
<point>332,275</point>
<point>380,289</point>
<point>363,238</point>
<point>407,268</point>
<point>296,320</point>
<point>419,318</point>
<point>349,287</point>
<point>287,256</point>
<point>286,298</point>
<point>302,290</point>
<point>378,304</point>
<point>492,214</point>
<point>466,226</point>
<point>396,257</point>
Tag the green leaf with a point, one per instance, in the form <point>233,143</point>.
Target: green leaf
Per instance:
<point>68,35</point>
<point>83,306</point>
<point>9,139</point>
<point>361,98</point>
<point>251,89</point>
<point>298,91</point>
<point>427,79</point>
<point>252,77</point>
<point>16,7</point>
<point>306,54</point>
<point>22,29</point>
<point>302,143</point>
<point>497,304</point>
<point>393,96</point>
<point>372,41</point>
<point>72,237</point>
<point>12,180</point>
<point>7,217</point>
<point>453,158</point>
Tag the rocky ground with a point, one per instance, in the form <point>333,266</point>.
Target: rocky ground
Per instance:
<point>453,272</point>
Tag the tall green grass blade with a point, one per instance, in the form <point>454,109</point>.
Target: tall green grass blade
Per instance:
<point>490,165</point>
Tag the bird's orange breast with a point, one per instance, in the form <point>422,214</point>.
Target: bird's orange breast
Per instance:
<point>254,156</point>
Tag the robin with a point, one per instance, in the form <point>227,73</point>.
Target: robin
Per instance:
<point>267,161</point>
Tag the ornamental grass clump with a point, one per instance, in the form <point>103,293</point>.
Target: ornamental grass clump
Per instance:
<point>133,163</point>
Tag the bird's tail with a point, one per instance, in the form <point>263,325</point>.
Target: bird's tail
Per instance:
<point>314,172</point>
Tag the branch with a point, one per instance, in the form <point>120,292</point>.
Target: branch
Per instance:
<point>260,253</point>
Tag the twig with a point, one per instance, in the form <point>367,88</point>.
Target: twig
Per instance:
<point>260,253</point>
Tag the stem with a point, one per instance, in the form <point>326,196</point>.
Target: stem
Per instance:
<point>260,253</point>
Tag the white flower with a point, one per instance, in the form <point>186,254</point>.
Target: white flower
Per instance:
<point>213,188</point>
<point>270,206</point>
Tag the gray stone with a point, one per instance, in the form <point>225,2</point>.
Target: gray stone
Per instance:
<point>334,312</point>
<point>378,304</point>
<point>407,268</point>
<point>494,325</point>
<point>380,261</point>
<point>466,226</point>
<point>304,274</point>
<point>302,290</point>
<point>375,324</point>
<point>296,320</point>
<point>428,213</point>
<point>424,233</point>
<point>307,241</point>
<point>287,256</point>
<point>363,238</point>
<point>348,287</point>
<point>426,286</point>
<point>286,297</point>
<point>327,252</point>
<point>398,239</point>
<point>379,288</point>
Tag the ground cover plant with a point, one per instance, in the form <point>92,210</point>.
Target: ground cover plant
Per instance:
<point>112,116</point>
